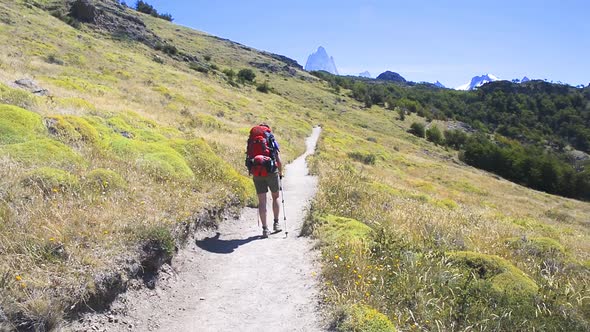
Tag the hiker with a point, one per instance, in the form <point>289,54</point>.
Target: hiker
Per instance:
<point>264,164</point>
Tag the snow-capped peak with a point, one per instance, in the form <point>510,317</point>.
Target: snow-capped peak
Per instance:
<point>478,81</point>
<point>492,77</point>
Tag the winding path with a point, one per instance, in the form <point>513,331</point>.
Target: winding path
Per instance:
<point>233,280</point>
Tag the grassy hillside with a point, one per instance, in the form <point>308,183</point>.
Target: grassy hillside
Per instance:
<point>111,169</point>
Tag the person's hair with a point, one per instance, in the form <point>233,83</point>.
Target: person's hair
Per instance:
<point>264,125</point>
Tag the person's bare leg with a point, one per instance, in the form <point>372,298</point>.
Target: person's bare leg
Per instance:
<point>275,205</point>
<point>262,209</point>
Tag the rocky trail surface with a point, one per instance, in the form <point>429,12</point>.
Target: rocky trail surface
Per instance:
<point>230,279</point>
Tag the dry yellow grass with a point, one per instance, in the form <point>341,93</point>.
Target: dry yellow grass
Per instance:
<point>59,232</point>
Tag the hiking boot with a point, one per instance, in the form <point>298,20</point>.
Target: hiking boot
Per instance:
<point>276,227</point>
<point>265,232</point>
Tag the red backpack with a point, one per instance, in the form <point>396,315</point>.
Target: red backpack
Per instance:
<point>261,151</point>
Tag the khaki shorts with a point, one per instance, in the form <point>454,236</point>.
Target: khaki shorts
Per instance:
<point>262,183</point>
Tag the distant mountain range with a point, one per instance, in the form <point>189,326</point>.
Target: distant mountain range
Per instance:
<point>320,60</point>
<point>478,81</point>
<point>365,74</point>
<point>524,79</point>
<point>439,84</point>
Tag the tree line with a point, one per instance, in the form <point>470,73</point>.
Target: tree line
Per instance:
<point>146,8</point>
<point>522,129</point>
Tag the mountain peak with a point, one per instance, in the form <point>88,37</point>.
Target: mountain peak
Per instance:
<point>365,74</point>
<point>391,76</point>
<point>439,84</point>
<point>478,81</point>
<point>320,60</point>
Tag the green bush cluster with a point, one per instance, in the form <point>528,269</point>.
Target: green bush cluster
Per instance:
<point>166,48</point>
<point>158,237</point>
<point>504,277</point>
<point>532,167</point>
<point>207,166</point>
<point>263,87</point>
<point>417,129</point>
<point>363,318</point>
<point>17,97</point>
<point>166,165</point>
<point>434,135</point>
<point>197,67</point>
<point>156,158</point>
<point>50,180</point>
<point>104,180</point>
<point>246,75</point>
<point>334,229</point>
<point>72,129</point>
<point>18,125</point>
<point>44,152</point>
<point>365,158</point>
<point>540,247</point>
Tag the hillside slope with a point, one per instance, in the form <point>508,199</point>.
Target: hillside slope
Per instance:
<point>139,140</point>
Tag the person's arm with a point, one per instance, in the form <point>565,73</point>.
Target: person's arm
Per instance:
<point>279,164</point>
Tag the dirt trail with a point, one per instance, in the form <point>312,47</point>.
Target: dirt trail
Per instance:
<point>231,279</point>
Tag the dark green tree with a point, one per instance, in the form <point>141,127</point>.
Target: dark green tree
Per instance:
<point>402,113</point>
<point>455,138</point>
<point>417,129</point>
<point>246,75</point>
<point>434,135</point>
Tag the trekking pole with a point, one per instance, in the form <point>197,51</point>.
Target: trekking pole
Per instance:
<point>283,201</point>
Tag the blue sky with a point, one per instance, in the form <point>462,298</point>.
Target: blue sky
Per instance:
<point>450,41</point>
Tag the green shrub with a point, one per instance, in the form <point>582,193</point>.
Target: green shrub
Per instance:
<point>166,166</point>
<point>18,125</point>
<point>166,48</point>
<point>402,113</point>
<point>43,152</point>
<point>104,180</point>
<point>158,238</point>
<point>263,87</point>
<point>434,135</point>
<point>207,166</point>
<point>72,129</point>
<point>246,75</point>
<point>130,125</point>
<point>455,138</point>
<point>362,318</point>
<point>50,180</point>
<point>334,229</point>
<point>417,129</point>
<point>54,59</point>
<point>365,158</point>
<point>447,203</point>
<point>76,103</point>
<point>198,67</point>
<point>230,74</point>
<point>542,247</point>
<point>17,97</point>
<point>505,278</point>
